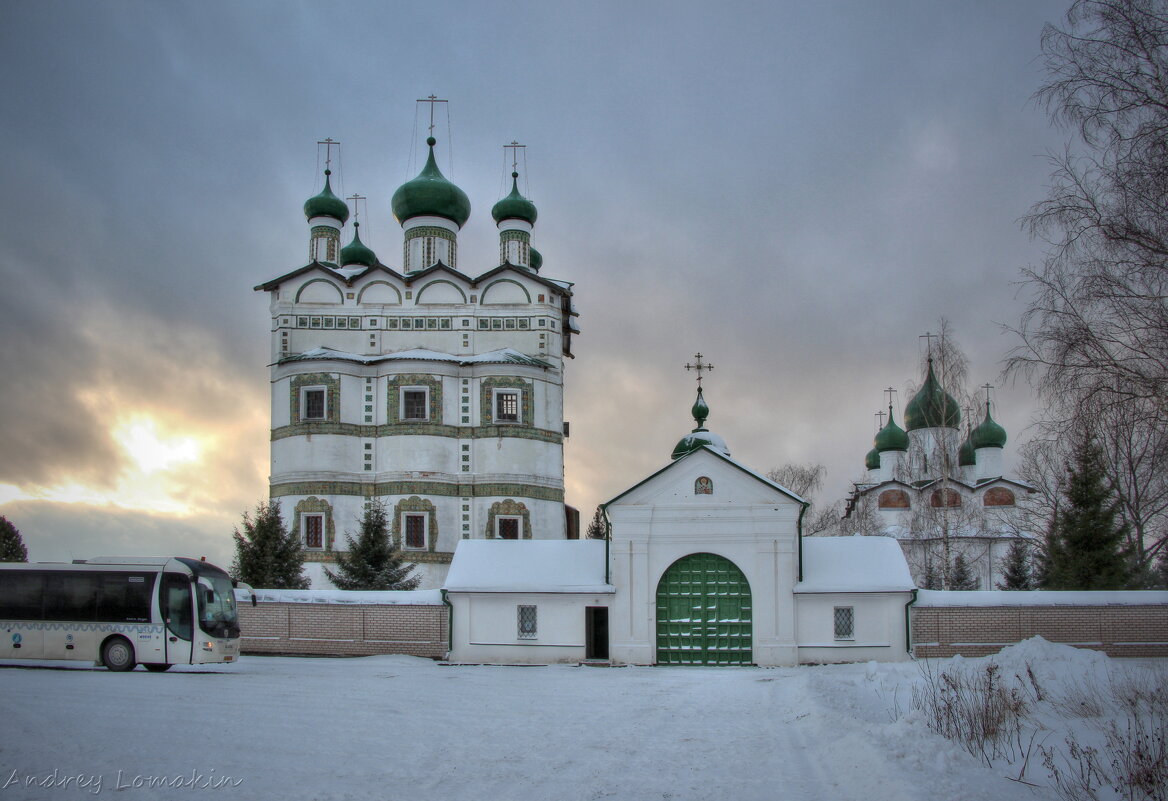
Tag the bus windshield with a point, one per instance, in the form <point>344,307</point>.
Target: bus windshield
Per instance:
<point>217,612</point>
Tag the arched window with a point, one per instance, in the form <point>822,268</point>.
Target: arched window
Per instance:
<point>893,499</point>
<point>998,496</point>
<point>944,497</point>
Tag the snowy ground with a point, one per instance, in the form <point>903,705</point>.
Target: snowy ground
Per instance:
<point>396,727</point>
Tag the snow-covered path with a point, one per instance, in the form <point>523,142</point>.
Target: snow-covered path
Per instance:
<point>402,728</point>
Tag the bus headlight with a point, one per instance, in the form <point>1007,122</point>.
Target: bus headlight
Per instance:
<point>208,646</point>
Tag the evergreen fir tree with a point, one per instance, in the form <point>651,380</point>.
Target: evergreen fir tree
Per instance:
<point>267,555</point>
<point>11,544</point>
<point>373,561</point>
<point>1017,573</point>
<point>929,581</point>
<point>1085,542</point>
<point>960,577</point>
<point>598,528</point>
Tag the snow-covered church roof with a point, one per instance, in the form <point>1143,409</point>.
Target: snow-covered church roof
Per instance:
<point>854,564</point>
<point>528,566</point>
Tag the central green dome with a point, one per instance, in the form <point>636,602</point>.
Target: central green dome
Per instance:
<point>890,438</point>
<point>932,406</point>
<point>515,206</point>
<point>326,204</point>
<point>431,195</point>
<point>989,434</point>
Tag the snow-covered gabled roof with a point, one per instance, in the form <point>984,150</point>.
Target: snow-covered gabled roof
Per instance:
<point>854,564</point>
<point>502,356</point>
<point>723,457</point>
<point>528,566</point>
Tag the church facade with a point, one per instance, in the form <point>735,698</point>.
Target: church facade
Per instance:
<point>942,496</point>
<point>430,388</point>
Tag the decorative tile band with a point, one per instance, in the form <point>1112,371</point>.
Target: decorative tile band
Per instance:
<point>512,430</point>
<point>436,488</point>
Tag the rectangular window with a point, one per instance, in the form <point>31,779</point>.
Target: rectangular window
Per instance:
<point>507,528</point>
<point>507,407</point>
<point>312,403</point>
<point>415,404</point>
<point>415,528</point>
<point>845,623</point>
<point>527,621</point>
<point>313,531</point>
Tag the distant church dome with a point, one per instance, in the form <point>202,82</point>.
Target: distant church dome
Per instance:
<point>700,436</point>
<point>536,259</point>
<point>966,457</point>
<point>890,438</point>
<point>326,204</point>
<point>989,434</point>
<point>515,206</point>
<point>932,406</point>
<point>872,460</point>
<point>431,195</point>
<point>356,252</point>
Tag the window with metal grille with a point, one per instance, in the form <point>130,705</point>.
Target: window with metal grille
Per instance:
<point>314,531</point>
<point>508,528</point>
<point>415,526</point>
<point>845,623</point>
<point>527,622</point>
<point>313,408</point>
<point>414,405</point>
<point>507,407</point>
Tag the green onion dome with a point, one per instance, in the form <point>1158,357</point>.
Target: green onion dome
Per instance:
<point>536,258</point>
<point>431,195</point>
<point>356,252</point>
<point>932,406</point>
<point>965,454</point>
<point>700,436</point>
<point>515,206</point>
<point>326,204</point>
<point>989,434</point>
<point>891,438</point>
<point>872,460</point>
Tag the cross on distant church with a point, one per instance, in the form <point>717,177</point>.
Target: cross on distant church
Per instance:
<point>699,367</point>
<point>987,388</point>
<point>432,99</point>
<point>514,148</point>
<point>880,420</point>
<point>929,336</point>
<point>328,151</point>
<point>890,392</point>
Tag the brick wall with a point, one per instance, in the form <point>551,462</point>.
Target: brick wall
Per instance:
<point>344,629</point>
<point>1119,630</point>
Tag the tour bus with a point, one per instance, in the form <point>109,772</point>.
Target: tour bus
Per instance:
<point>119,611</point>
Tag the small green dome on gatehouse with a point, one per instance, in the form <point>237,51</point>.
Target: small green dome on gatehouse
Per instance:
<point>326,204</point>
<point>700,436</point>
<point>431,195</point>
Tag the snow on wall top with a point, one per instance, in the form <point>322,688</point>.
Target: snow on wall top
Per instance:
<point>1041,598</point>
<point>418,597</point>
<point>528,566</point>
<point>854,564</point>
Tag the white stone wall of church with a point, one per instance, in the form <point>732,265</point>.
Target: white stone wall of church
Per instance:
<point>486,627</point>
<point>879,627</point>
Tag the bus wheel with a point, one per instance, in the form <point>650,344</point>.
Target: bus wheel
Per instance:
<point>118,654</point>
<point>156,667</point>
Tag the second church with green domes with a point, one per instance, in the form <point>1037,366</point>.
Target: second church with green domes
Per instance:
<point>941,494</point>
<point>431,387</point>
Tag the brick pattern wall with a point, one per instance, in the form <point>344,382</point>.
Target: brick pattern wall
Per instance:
<point>344,629</point>
<point>939,631</point>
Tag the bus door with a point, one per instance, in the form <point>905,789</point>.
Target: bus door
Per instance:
<point>178,612</point>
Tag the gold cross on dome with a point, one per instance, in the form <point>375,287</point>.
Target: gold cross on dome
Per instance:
<point>699,366</point>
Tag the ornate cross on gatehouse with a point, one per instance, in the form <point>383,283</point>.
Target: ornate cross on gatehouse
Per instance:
<point>700,367</point>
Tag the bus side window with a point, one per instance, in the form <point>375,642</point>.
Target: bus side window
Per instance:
<point>175,601</point>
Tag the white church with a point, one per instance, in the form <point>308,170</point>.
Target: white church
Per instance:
<point>439,393</point>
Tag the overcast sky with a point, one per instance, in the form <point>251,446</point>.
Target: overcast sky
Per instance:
<point>796,190</point>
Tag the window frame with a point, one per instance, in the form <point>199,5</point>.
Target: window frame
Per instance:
<point>304,393</point>
<point>497,395</point>
<point>405,531</point>
<point>402,392</point>
<point>526,622</point>
<point>517,519</point>
<point>842,635</point>
<point>304,518</point>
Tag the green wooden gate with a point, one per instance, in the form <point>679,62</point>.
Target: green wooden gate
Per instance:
<point>703,613</point>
